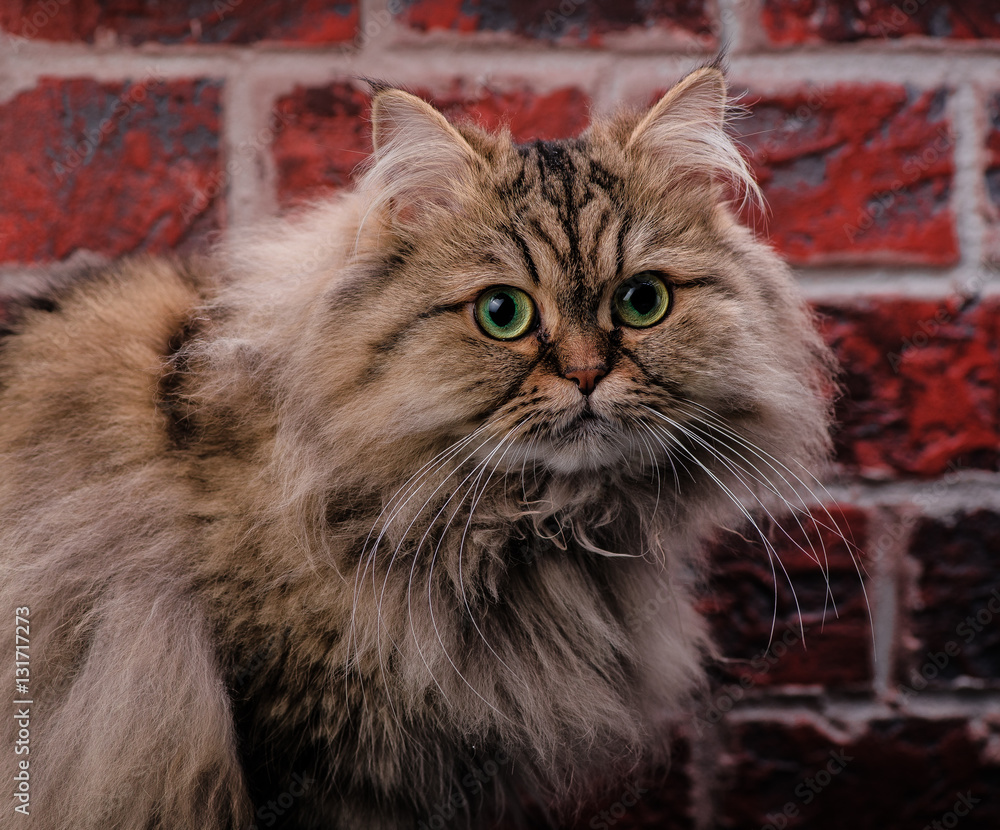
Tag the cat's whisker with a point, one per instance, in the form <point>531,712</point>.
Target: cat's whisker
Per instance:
<point>771,552</point>
<point>528,450</point>
<point>656,466</point>
<point>415,482</point>
<point>437,463</point>
<point>477,470</point>
<point>757,475</point>
<point>461,550</point>
<point>822,562</point>
<point>655,475</point>
<point>416,554</point>
<point>365,560</point>
<point>712,418</point>
<point>670,457</point>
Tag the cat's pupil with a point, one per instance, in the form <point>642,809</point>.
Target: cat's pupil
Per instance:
<point>502,310</point>
<point>644,298</point>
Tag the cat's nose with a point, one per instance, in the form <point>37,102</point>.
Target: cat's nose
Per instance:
<point>586,378</point>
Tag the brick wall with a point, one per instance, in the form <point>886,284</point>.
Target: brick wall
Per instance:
<point>875,131</point>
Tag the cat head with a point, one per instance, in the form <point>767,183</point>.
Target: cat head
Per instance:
<point>583,305</point>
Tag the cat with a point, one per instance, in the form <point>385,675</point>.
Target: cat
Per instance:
<point>391,514</point>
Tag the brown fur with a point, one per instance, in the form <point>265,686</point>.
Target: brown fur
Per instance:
<point>241,499</point>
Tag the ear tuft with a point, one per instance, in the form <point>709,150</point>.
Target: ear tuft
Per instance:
<point>421,164</point>
<point>686,132</point>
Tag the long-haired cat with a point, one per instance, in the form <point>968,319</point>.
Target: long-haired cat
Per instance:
<point>314,531</point>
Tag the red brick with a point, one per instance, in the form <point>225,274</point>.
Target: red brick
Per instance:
<point>898,773</point>
<point>562,113</point>
<point>327,135</point>
<point>182,21</point>
<point>921,384</point>
<point>746,598</point>
<point>579,21</point>
<point>855,173</point>
<point>956,628</point>
<point>834,21</point>
<point>109,167</point>
<point>329,130</point>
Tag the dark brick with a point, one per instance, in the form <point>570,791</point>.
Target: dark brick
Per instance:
<point>897,775</point>
<point>921,385</point>
<point>957,624</point>
<point>855,173</point>
<point>836,21</point>
<point>629,799</point>
<point>109,167</point>
<point>993,178</point>
<point>312,22</point>
<point>580,21</point>
<point>993,151</point>
<point>327,133</point>
<point>659,800</point>
<point>747,598</point>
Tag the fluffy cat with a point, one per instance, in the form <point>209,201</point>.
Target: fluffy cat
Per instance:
<point>313,531</point>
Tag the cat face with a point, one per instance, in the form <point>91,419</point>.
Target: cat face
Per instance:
<point>583,305</point>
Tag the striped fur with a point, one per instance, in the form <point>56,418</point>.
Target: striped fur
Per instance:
<point>293,530</point>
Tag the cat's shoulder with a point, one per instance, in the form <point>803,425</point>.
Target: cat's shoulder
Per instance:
<point>80,314</point>
<point>95,339</point>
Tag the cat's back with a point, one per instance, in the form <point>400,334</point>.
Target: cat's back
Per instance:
<point>80,367</point>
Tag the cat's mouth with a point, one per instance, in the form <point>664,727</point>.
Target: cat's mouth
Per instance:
<point>583,440</point>
<point>586,423</point>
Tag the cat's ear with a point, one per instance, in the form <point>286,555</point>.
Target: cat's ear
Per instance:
<point>685,132</point>
<point>421,163</point>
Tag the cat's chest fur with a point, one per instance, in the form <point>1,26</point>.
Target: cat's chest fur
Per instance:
<point>310,695</point>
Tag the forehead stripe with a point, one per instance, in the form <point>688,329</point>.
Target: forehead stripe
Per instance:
<point>526,253</point>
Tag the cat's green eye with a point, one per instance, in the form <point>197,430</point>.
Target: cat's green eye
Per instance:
<point>642,301</point>
<point>505,313</point>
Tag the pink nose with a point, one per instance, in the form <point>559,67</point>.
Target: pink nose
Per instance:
<point>586,378</point>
